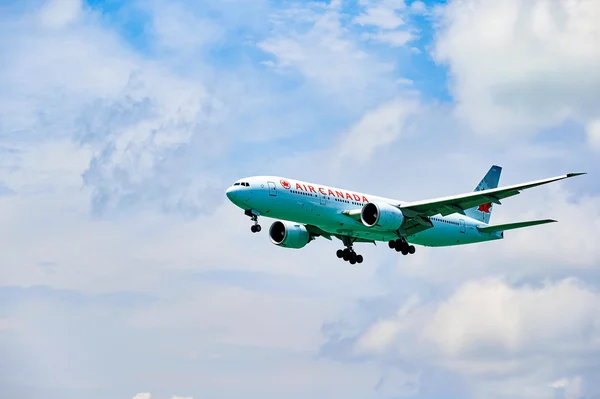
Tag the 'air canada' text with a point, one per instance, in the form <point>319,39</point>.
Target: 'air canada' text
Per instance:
<point>336,193</point>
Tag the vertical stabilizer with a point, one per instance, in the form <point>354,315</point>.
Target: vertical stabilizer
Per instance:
<point>489,181</point>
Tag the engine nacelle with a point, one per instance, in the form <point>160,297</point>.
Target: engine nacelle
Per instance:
<point>289,234</point>
<point>381,216</point>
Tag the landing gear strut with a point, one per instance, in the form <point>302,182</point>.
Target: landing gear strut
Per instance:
<point>348,253</point>
<point>400,245</point>
<point>255,228</point>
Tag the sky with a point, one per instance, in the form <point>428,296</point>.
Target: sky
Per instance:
<point>125,273</point>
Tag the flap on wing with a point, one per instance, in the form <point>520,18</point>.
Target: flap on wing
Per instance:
<point>458,203</point>
<point>512,226</point>
<point>317,231</point>
<point>416,225</point>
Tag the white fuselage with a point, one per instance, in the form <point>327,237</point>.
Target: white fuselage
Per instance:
<point>322,206</point>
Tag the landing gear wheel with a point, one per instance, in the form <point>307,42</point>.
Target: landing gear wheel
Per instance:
<point>404,251</point>
<point>255,228</point>
<point>392,244</point>
<point>411,249</point>
<point>348,253</point>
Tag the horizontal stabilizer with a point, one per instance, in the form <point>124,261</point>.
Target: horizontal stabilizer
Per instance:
<point>512,226</point>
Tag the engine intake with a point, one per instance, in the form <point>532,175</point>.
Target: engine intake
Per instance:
<point>289,235</point>
<point>381,216</point>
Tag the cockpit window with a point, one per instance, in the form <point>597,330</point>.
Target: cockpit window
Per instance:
<point>236,184</point>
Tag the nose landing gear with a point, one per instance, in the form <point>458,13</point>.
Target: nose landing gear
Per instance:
<point>255,228</point>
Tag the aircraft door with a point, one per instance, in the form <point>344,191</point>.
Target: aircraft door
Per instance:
<point>462,225</point>
<point>323,199</point>
<point>272,189</point>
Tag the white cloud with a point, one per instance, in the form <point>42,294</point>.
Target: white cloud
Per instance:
<point>312,40</point>
<point>378,127</point>
<point>7,324</point>
<point>520,65</point>
<point>593,132</point>
<point>381,335</point>
<point>394,39</point>
<point>418,7</point>
<point>178,28</point>
<point>147,395</point>
<point>383,15</point>
<point>490,314</point>
<point>396,383</point>
<point>572,387</point>
<point>60,13</point>
<point>520,335</point>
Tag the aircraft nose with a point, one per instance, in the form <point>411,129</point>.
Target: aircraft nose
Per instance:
<point>231,193</point>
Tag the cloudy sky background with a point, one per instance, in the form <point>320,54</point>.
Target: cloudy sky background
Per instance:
<point>124,272</point>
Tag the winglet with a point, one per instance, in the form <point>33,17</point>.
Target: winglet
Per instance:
<point>576,174</point>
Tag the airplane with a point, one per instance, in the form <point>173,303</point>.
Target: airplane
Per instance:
<point>307,211</point>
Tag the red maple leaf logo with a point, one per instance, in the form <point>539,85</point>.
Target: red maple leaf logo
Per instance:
<point>485,207</point>
<point>285,184</point>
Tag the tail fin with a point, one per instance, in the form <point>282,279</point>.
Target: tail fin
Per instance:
<point>489,181</point>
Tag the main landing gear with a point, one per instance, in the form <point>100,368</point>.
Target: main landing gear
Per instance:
<point>255,228</point>
<point>348,253</point>
<point>400,245</point>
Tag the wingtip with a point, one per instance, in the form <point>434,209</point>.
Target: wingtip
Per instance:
<point>576,174</point>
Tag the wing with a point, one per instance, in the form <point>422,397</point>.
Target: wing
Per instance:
<point>314,230</point>
<point>458,203</point>
<point>412,225</point>
<point>318,232</point>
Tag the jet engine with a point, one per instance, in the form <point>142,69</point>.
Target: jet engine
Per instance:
<point>289,234</point>
<point>381,216</point>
